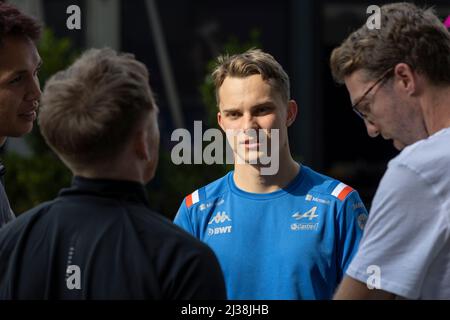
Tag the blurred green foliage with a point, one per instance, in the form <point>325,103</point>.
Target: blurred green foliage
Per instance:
<point>33,180</point>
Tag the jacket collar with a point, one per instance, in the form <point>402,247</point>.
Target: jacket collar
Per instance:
<point>115,189</point>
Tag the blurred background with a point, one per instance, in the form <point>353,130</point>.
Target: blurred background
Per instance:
<point>178,40</point>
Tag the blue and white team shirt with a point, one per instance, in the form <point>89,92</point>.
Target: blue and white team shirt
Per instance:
<point>294,243</point>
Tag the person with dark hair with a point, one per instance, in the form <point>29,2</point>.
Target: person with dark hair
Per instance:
<point>19,83</point>
<point>398,78</point>
<point>99,239</point>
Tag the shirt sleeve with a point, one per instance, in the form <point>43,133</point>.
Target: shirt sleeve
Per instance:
<point>182,219</point>
<point>351,221</point>
<point>402,234</point>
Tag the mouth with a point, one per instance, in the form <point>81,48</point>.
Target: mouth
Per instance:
<point>251,143</point>
<point>29,115</point>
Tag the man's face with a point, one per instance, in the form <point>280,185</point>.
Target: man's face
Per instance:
<point>19,86</point>
<point>388,110</point>
<point>252,103</point>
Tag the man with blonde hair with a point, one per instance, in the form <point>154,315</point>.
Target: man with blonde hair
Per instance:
<point>287,234</point>
<point>99,239</point>
<point>398,78</point>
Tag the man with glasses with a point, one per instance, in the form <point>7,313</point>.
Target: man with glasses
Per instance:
<point>399,80</point>
<point>359,107</point>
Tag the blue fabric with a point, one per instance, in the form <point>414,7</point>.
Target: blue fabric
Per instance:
<point>295,243</point>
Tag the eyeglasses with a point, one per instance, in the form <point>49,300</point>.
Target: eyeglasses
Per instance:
<point>355,105</point>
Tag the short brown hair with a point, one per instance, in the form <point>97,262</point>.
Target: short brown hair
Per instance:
<point>13,22</point>
<point>251,62</point>
<point>89,110</point>
<point>408,34</point>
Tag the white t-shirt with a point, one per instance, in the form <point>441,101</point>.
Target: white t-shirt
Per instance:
<point>406,242</point>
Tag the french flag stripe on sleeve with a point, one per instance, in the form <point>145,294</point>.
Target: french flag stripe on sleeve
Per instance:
<point>341,191</point>
<point>193,198</point>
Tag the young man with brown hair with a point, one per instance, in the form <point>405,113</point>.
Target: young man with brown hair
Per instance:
<point>99,239</point>
<point>19,83</point>
<point>398,78</point>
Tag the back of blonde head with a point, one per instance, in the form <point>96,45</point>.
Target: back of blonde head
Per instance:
<point>89,110</point>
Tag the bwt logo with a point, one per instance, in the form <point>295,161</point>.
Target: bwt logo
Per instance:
<point>219,230</point>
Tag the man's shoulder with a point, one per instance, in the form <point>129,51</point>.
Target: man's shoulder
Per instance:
<point>426,155</point>
<point>206,195</point>
<point>15,228</point>
<point>149,228</point>
<point>330,189</point>
<point>161,234</point>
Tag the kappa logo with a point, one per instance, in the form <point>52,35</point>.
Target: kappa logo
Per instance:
<point>220,217</point>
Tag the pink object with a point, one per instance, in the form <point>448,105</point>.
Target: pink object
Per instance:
<point>447,22</point>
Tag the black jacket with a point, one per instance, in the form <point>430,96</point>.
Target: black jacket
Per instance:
<point>99,240</point>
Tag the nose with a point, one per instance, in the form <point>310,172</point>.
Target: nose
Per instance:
<point>372,129</point>
<point>34,90</point>
<point>249,122</point>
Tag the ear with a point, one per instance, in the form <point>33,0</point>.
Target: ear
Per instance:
<point>406,78</point>
<point>292,110</point>
<point>141,145</point>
